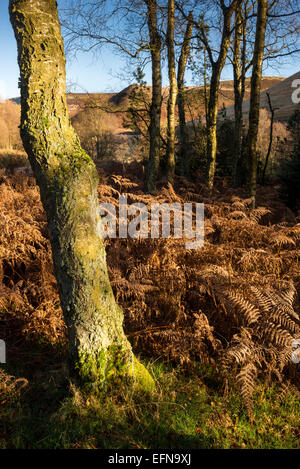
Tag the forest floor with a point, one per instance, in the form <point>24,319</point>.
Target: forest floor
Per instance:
<point>214,326</point>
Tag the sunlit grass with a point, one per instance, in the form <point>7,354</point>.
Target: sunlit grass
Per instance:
<point>183,412</point>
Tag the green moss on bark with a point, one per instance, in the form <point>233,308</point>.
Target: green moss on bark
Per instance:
<point>68,182</point>
<point>111,367</point>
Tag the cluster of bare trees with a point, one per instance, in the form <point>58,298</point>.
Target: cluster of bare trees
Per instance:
<point>240,33</point>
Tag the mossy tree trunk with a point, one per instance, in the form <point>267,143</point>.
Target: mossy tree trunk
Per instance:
<point>156,103</point>
<point>240,68</point>
<point>238,78</point>
<point>172,91</point>
<point>216,70</point>
<point>272,111</point>
<point>182,63</point>
<point>211,126</point>
<point>258,56</point>
<point>68,183</point>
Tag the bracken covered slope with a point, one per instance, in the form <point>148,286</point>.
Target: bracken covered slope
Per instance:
<point>232,304</point>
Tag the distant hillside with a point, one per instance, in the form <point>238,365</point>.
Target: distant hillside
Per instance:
<point>106,111</point>
<point>226,93</point>
<point>281,98</point>
<point>112,106</point>
<point>89,108</point>
<point>16,100</point>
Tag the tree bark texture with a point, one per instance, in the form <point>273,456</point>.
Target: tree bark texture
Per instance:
<point>182,63</point>
<point>255,95</point>
<point>68,181</point>
<point>212,111</point>
<point>155,112</point>
<point>238,90</point>
<point>172,92</point>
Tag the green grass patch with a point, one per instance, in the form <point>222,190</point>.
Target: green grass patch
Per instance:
<point>186,411</point>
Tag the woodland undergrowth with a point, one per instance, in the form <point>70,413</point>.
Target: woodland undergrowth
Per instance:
<point>232,304</point>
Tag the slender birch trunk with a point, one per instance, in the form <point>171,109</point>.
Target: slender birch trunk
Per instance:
<point>68,180</point>
<point>272,111</point>
<point>240,67</point>
<point>212,111</point>
<point>238,91</point>
<point>258,55</point>
<point>155,112</point>
<point>172,92</point>
<point>212,115</point>
<point>182,63</point>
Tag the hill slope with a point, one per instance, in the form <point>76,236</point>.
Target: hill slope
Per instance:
<point>106,111</point>
<point>281,98</point>
<point>113,105</point>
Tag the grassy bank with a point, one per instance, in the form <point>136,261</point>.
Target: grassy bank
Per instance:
<point>186,411</point>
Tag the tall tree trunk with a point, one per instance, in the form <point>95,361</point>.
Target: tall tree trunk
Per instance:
<point>182,63</point>
<point>240,67</point>
<point>211,127</point>
<point>68,181</point>
<point>172,92</point>
<point>205,86</point>
<point>212,111</point>
<point>255,95</point>
<point>155,112</point>
<point>238,91</point>
<point>272,111</point>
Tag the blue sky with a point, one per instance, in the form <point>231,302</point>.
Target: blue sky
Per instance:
<point>89,73</point>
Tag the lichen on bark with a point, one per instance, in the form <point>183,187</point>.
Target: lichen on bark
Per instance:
<point>68,182</point>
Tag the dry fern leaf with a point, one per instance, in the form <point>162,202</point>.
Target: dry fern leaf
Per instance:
<point>251,313</point>
<point>276,335</point>
<point>257,213</point>
<point>281,239</point>
<point>246,378</point>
